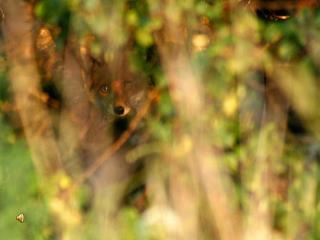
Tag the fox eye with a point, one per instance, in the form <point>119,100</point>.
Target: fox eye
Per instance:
<point>104,90</point>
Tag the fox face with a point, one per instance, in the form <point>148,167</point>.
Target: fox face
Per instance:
<point>115,88</point>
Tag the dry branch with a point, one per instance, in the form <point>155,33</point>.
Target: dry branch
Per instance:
<point>25,82</point>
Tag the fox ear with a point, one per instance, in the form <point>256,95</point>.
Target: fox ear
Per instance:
<point>87,65</point>
<point>85,58</point>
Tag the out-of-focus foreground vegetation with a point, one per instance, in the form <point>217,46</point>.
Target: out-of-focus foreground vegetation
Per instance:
<point>155,119</point>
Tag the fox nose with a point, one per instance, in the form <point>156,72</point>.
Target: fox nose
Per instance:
<point>119,110</point>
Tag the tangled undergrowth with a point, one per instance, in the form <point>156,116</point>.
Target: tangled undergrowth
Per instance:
<point>159,119</point>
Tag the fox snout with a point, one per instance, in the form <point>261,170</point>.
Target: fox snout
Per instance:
<point>121,110</point>
<point>128,96</point>
<point>121,107</point>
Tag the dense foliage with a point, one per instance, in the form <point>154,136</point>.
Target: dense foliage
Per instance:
<point>154,119</point>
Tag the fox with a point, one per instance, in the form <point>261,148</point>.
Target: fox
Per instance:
<point>116,90</point>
